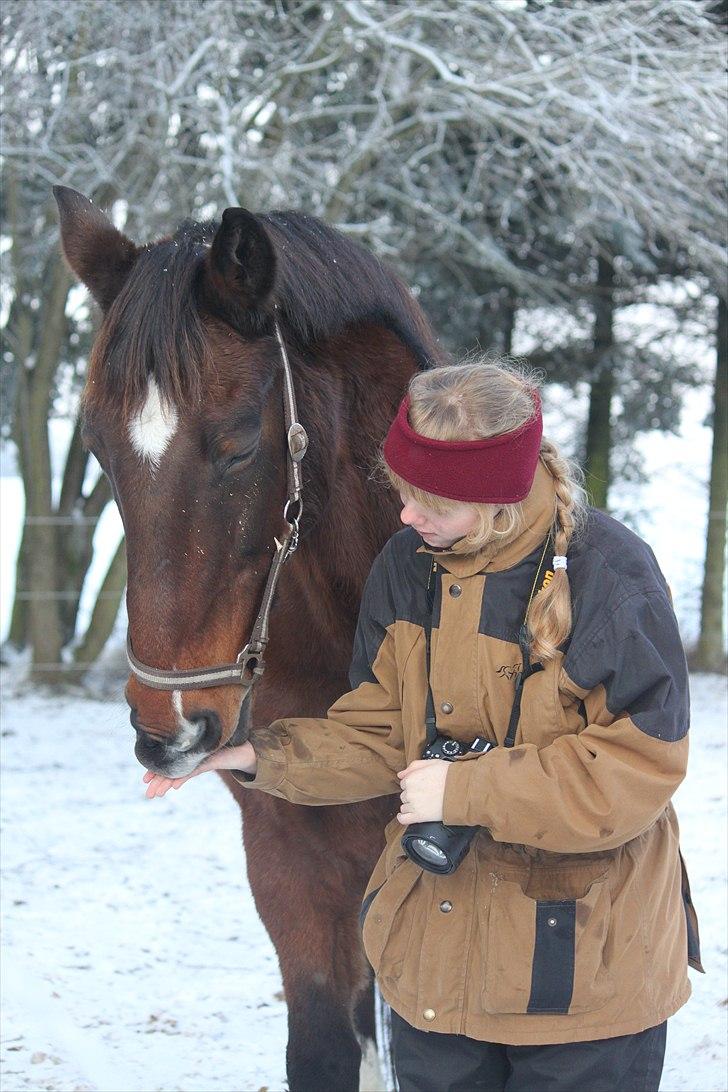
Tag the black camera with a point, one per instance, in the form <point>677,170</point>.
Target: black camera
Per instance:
<point>434,846</point>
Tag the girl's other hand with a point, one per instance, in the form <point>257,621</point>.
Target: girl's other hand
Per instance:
<point>423,791</point>
<point>228,758</point>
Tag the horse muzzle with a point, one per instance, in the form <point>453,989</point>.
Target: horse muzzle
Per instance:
<point>177,755</point>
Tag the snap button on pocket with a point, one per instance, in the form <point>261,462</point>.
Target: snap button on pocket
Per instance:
<point>429,1014</point>
<point>446,906</point>
<point>455,590</point>
<point>447,707</point>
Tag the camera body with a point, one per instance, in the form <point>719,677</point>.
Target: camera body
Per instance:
<point>445,748</point>
<point>436,847</point>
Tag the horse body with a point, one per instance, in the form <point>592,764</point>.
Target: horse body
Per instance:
<point>183,406</point>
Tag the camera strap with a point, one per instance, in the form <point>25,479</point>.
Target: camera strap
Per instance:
<point>543,577</point>
<point>434,581</point>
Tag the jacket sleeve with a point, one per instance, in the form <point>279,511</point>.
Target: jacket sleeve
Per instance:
<point>353,753</point>
<point>597,789</point>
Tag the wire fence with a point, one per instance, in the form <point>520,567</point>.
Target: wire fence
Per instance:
<point>67,667</point>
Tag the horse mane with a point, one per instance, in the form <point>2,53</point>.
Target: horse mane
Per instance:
<point>324,283</point>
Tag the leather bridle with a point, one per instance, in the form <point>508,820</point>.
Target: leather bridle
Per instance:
<point>250,664</point>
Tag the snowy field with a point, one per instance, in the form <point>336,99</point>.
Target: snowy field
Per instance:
<point>133,957</point>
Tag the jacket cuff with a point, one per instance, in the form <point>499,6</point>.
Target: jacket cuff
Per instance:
<point>457,803</point>
<point>271,768</point>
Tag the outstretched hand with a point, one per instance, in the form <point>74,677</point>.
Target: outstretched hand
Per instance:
<point>423,791</point>
<point>228,758</point>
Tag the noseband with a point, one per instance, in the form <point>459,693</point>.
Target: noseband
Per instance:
<point>249,665</point>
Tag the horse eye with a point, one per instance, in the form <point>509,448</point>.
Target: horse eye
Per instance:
<point>239,459</point>
<point>236,460</point>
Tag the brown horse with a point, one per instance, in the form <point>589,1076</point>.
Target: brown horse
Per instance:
<point>183,407</point>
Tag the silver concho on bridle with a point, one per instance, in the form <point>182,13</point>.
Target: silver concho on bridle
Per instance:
<point>249,665</point>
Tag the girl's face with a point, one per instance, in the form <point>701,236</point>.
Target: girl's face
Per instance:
<point>438,530</point>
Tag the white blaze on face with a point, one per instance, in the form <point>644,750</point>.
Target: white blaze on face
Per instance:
<point>151,430</point>
<point>189,732</point>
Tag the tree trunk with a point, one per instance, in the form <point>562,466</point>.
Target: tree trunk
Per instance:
<point>18,632</point>
<point>599,427</point>
<point>104,614</point>
<point>18,336</point>
<point>711,653</point>
<point>41,551</point>
<point>508,321</point>
<point>56,549</point>
<point>78,518</point>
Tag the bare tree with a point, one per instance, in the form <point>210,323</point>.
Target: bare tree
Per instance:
<point>710,654</point>
<point>93,97</point>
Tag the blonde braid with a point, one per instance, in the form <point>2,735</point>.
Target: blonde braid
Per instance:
<point>549,620</point>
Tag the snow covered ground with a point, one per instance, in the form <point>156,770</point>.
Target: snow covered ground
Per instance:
<point>133,957</point>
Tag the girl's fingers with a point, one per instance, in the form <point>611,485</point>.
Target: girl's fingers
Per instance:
<point>416,765</point>
<point>157,786</point>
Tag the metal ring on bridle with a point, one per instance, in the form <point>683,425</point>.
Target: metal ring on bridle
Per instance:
<point>293,521</point>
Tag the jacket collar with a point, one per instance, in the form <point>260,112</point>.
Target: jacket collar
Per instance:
<point>539,509</point>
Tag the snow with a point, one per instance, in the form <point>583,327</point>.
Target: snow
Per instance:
<point>133,956</point>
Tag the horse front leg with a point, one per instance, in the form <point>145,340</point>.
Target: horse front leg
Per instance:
<point>307,869</point>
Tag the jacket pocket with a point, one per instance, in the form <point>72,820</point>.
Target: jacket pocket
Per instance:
<point>691,921</point>
<point>367,903</point>
<point>386,922</point>
<point>546,955</point>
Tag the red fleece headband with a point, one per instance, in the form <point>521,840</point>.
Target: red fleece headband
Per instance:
<point>499,470</point>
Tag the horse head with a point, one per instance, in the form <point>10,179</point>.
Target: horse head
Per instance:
<point>184,408</point>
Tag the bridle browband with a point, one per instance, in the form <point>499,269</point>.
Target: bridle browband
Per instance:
<point>249,665</point>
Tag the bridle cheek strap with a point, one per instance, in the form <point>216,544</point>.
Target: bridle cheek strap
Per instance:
<point>250,665</point>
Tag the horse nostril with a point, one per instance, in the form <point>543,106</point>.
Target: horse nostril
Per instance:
<point>209,728</point>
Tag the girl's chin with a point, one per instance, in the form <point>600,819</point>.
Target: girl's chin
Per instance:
<point>438,541</point>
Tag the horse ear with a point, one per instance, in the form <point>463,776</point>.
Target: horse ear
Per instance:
<point>242,260</point>
<point>98,254</point>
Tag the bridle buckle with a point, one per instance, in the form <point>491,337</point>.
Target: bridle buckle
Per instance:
<point>251,663</point>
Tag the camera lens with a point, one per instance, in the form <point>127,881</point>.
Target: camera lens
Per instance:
<point>429,851</point>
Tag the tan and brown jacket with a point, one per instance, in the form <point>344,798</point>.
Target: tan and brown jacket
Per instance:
<point>570,916</point>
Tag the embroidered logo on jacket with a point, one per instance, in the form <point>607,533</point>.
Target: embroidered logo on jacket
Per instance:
<point>509,671</point>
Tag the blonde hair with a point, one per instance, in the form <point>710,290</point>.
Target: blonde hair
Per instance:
<point>476,400</point>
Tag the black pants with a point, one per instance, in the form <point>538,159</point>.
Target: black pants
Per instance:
<point>432,1062</point>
